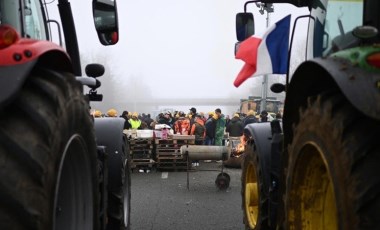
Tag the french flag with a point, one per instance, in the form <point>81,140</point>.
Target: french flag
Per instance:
<point>267,55</point>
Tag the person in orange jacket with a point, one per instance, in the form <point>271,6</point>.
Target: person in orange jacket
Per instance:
<point>182,125</point>
<point>198,129</point>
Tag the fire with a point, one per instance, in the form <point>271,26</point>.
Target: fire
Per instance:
<point>238,150</point>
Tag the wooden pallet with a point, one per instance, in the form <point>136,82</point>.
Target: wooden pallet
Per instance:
<point>168,151</point>
<point>141,155</point>
<point>140,141</point>
<point>183,137</point>
<point>140,163</point>
<point>174,141</point>
<point>167,145</point>
<point>170,159</point>
<point>140,146</point>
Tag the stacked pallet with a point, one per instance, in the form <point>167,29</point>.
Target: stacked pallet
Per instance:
<point>168,152</point>
<point>141,151</point>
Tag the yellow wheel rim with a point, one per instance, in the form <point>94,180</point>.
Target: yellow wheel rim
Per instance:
<point>251,196</point>
<point>312,200</point>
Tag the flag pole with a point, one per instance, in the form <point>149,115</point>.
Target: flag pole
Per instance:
<point>268,8</point>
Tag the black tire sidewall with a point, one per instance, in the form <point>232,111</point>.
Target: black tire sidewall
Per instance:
<point>250,157</point>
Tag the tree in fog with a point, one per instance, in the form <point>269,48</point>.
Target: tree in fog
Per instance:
<point>136,94</point>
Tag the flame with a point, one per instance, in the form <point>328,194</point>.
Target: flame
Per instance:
<point>239,149</point>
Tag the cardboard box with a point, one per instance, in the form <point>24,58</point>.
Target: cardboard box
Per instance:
<point>136,133</point>
<point>145,133</point>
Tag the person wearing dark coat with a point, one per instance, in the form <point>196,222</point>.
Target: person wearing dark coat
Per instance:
<point>235,127</point>
<point>210,126</point>
<point>250,118</point>
<point>264,116</point>
<point>148,120</point>
<point>228,120</point>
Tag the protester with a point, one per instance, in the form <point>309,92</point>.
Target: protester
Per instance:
<point>235,127</point>
<point>124,115</point>
<point>112,113</point>
<point>97,114</point>
<point>250,118</point>
<point>148,120</point>
<point>193,112</point>
<point>278,116</point>
<point>135,121</point>
<point>263,116</point>
<point>162,119</point>
<point>210,126</point>
<point>169,118</point>
<point>182,125</point>
<point>227,120</point>
<point>203,117</point>
<point>220,126</point>
<point>198,129</point>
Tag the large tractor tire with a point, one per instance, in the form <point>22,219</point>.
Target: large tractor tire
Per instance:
<point>119,200</point>
<point>109,133</point>
<point>48,162</point>
<point>333,172</point>
<point>255,200</point>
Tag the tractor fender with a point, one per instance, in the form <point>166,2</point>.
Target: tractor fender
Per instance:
<point>18,61</point>
<point>261,135</point>
<point>109,133</point>
<point>359,86</point>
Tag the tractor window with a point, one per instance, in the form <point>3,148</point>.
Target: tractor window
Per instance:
<point>10,14</point>
<point>341,18</point>
<point>34,23</point>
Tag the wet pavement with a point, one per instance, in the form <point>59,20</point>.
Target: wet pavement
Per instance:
<point>161,200</point>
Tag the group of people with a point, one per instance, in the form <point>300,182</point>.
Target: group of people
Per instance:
<point>208,129</point>
<point>235,125</point>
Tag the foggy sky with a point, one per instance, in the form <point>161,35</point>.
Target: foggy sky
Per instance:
<point>171,49</point>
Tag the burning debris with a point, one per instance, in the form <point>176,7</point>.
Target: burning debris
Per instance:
<point>238,146</point>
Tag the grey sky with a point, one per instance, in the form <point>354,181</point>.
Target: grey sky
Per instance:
<point>182,49</point>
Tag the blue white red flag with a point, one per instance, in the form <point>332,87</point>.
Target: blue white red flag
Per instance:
<point>266,55</point>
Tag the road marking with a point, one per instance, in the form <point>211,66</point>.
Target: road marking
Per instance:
<point>164,175</point>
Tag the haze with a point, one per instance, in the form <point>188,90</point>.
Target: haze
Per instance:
<point>172,54</point>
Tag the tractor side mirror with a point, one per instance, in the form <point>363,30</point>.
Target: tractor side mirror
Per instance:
<point>245,26</point>
<point>277,88</point>
<point>94,71</point>
<point>106,21</point>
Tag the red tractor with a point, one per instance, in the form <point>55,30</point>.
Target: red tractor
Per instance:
<point>319,167</point>
<point>56,173</point>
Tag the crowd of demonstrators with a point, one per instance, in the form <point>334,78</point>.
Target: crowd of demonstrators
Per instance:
<point>215,125</point>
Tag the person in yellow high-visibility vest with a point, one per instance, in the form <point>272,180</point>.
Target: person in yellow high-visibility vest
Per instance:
<point>135,121</point>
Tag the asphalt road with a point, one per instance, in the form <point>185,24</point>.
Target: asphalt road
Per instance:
<point>161,200</point>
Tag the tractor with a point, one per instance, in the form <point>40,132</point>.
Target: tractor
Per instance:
<point>318,168</point>
<point>60,169</point>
